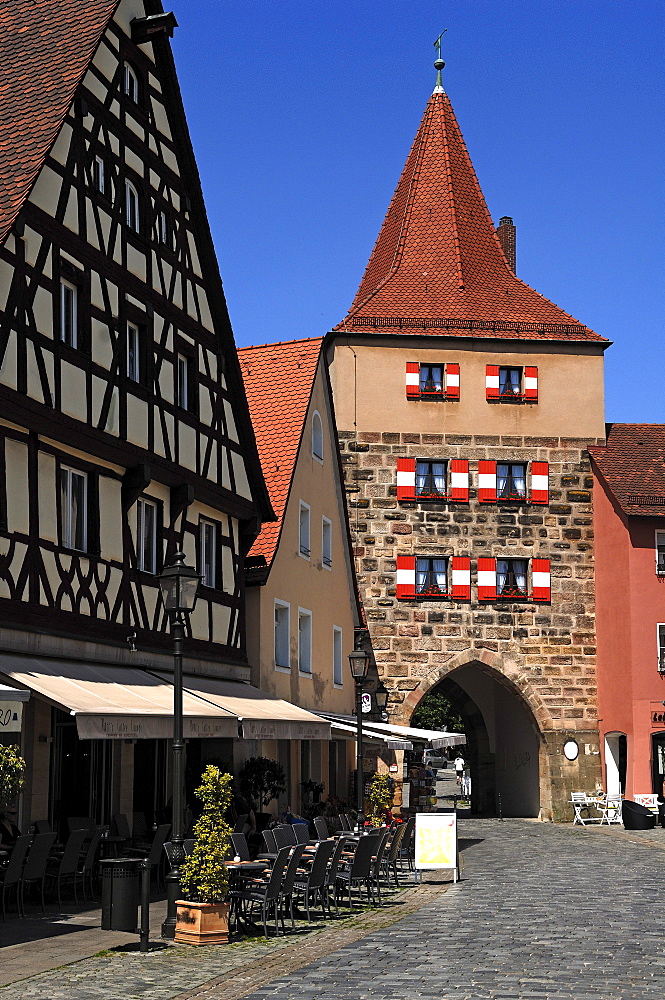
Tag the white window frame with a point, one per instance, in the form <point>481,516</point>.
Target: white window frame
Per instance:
<point>304,642</point>
<point>132,207</point>
<point>282,643</point>
<point>338,660</point>
<point>67,523</point>
<point>326,543</point>
<point>133,352</point>
<point>99,174</point>
<point>660,564</point>
<point>304,531</point>
<point>143,563</point>
<point>660,646</point>
<point>209,539</point>
<point>163,228</point>
<point>182,380</point>
<point>68,317</point>
<point>317,437</point>
<point>130,83</point>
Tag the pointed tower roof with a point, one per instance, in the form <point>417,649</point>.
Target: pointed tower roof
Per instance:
<point>437,266</point>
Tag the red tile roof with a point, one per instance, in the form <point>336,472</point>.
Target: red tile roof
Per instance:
<point>437,266</point>
<point>45,48</point>
<point>632,464</point>
<point>278,381</point>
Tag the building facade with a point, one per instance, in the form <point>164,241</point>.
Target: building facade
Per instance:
<point>629,522</point>
<point>124,428</point>
<point>465,404</point>
<point>302,596</point>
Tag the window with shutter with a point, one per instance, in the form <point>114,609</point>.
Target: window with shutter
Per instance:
<point>430,480</point>
<point>461,578</point>
<point>486,579</point>
<point>541,580</point>
<point>431,577</point>
<point>486,482</point>
<point>432,381</point>
<point>511,579</point>
<point>540,486</point>
<point>406,576</point>
<point>511,384</point>
<point>459,479</point>
<point>406,478</point>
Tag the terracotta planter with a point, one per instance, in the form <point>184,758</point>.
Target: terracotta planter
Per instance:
<point>202,923</point>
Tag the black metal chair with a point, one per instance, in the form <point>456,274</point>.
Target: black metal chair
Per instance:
<point>359,872</point>
<point>271,850</point>
<point>88,862</point>
<point>331,874</point>
<point>321,828</point>
<point>284,836</point>
<point>406,851</point>
<point>286,890</point>
<point>154,854</point>
<point>11,874</point>
<point>66,867</point>
<point>253,892</point>
<point>314,883</point>
<point>42,826</point>
<point>34,870</point>
<point>390,859</point>
<point>377,861</point>
<point>301,831</point>
<point>240,846</point>
<point>81,823</point>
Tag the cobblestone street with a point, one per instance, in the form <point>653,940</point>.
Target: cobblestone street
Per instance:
<point>547,912</point>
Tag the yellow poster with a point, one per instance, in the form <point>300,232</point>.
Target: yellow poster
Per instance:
<point>436,841</point>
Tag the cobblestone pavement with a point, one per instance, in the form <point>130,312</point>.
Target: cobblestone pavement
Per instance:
<point>543,913</point>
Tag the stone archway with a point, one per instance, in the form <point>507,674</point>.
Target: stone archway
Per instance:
<point>506,724</point>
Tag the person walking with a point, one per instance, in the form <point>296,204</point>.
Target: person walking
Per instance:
<point>459,769</point>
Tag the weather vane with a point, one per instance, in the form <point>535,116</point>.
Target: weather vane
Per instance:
<point>439,64</point>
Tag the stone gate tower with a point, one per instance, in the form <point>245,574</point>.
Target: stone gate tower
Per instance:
<point>465,402</point>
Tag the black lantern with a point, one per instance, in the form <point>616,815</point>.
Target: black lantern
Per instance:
<point>178,584</point>
<point>359,663</point>
<point>381,696</point>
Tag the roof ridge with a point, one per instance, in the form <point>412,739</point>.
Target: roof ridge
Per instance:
<point>280,343</point>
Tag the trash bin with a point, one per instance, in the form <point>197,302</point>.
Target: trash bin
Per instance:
<point>120,894</point>
<point>636,816</point>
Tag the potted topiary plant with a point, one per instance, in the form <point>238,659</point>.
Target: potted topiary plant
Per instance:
<point>381,793</point>
<point>261,780</point>
<point>203,916</point>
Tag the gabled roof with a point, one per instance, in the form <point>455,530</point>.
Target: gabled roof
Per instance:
<point>278,381</point>
<point>437,266</point>
<point>632,464</point>
<point>45,48</point>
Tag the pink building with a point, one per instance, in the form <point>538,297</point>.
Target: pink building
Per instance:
<point>629,518</point>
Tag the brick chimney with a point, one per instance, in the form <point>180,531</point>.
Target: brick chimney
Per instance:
<point>506,233</point>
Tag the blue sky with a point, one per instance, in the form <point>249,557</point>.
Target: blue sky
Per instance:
<point>302,113</point>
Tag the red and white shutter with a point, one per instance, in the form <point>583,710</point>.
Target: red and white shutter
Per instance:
<point>491,381</point>
<point>540,573</point>
<point>487,482</point>
<point>531,384</point>
<point>487,579</point>
<point>406,576</point>
<point>459,479</point>
<point>452,381</point>
<point>462,578</point>
<point>412,380</point>
<point>540,482</point>
<point>406,478</point>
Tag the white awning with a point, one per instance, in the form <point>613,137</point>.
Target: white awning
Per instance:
<point>261,715</point>
<point>350,732</point>
<point>111,702</point>
<point>128,703</point>
<point>437,738</point>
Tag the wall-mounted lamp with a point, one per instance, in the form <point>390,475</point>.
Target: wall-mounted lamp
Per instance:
<point>131,642</point>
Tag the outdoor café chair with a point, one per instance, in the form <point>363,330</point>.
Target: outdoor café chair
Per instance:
<point>253,892</point>
<point>121,827</point>
<point>11,874</point>
<point>66,867</point>
<point>611,809</point>
<point>407,847</point>
<point>86,823</point>
<point>154,854</point>
<point>34,870</point>
<point>377,861</point>
<point>390,859</point>
<point>42,826</point>
<point>581,805</point>
<point>271,850</point>
<point>89,860</point>
<point>359,872</point>
<point>240,846</point>
<point>649,801</point>
<point>286,888</point>
<point>345,822</point>
<point>321,828</point>
<point>284,836</point>
<point>239,824</point>
<point>301,831</point>
<point>313,883</point>
<point>331,874</point>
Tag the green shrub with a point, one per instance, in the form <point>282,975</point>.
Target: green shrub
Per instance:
<point>381,794</point>
<point>261,780</point>
<point>203,875</point>
<point>12,768</point>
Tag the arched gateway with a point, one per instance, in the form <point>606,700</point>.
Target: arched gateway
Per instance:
<point>505,722</point>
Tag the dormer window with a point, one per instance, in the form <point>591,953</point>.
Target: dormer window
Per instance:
<point>132,207</point>
<point>130,83</point>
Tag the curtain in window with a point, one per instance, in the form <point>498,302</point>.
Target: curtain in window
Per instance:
<point>431,378</point>
<point>439,575</point>
<point>439,476</point>
<point>430,478</point>
<point>422,574</point>
<point>519,481</point>
<point>509,381</point>
<point>519,567</point>
<point>510,575</point>
<point>77,511</point>
<point>502,479</point>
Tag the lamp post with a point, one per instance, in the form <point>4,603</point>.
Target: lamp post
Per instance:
<point>178,584</point>
<point>359,663</point>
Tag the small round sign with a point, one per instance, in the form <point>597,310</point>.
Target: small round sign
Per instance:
<point>571,750</point>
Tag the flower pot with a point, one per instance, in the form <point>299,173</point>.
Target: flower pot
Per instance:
<point>201,923</point>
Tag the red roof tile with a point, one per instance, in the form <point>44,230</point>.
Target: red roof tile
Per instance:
<point>278,382</point>
<point>45,48</point>
<point>632,463</point>
<point>437,265</point>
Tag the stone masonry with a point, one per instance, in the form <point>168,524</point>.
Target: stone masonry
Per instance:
<point>545,652</point>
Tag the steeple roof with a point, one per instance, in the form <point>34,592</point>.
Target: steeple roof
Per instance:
<point>437,266</point>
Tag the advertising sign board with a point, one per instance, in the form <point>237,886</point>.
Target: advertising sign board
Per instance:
<point>436,842</point>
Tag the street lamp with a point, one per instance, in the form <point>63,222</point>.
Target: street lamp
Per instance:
<point>381,696</point>
<point>178,584</point>
<point>359,663</point>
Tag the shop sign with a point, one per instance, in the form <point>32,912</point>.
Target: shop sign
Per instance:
<point>10,716</point>
<point>657,715</point>
<point>366,703</point>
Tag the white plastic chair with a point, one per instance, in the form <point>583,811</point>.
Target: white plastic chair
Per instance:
<point>581,804</point>
<point>611,809</point>
<point>648,801</point>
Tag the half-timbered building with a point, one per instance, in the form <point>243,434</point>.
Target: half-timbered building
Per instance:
<point>465,404</point>
<point>124,428</point>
